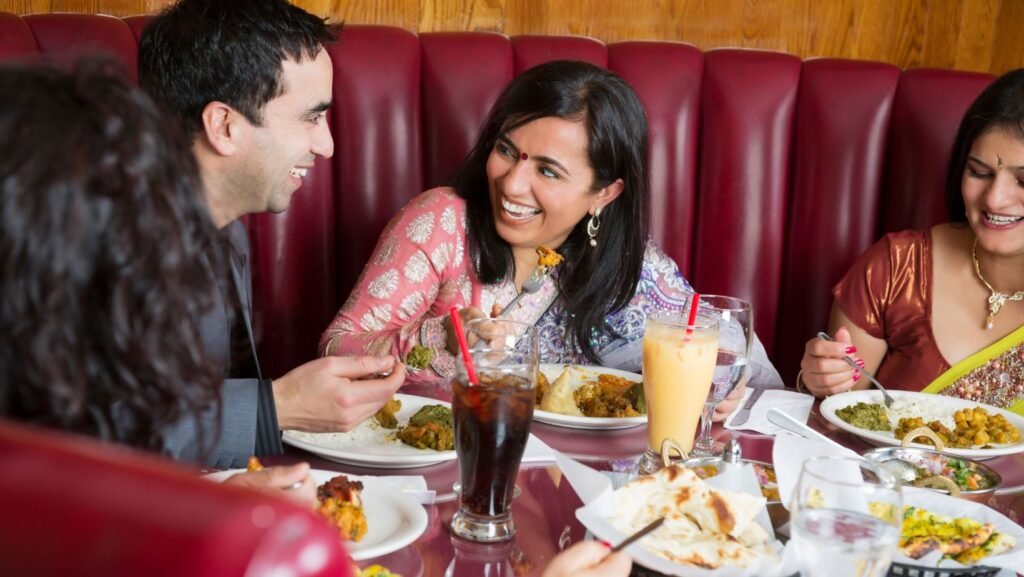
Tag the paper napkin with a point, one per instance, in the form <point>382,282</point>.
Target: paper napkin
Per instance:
<point>414,485</point>
<point>538,451</point>
<point>796,405</point>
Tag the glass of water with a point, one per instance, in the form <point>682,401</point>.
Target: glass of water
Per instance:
<point>846,518</point>
<point>735,338</point>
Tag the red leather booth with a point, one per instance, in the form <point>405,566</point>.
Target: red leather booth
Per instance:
<point>769,173</point>
<point>73,507</point>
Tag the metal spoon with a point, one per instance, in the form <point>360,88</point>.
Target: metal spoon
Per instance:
<point>885,394</point>
<point>899,469</point>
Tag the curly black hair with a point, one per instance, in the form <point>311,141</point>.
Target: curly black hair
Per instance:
<point>104,276</point>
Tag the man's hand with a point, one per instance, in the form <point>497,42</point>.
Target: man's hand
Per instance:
<point>335,393</point>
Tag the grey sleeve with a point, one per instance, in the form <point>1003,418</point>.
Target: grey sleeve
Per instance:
<point>268,433</point>
<point>233,442</point>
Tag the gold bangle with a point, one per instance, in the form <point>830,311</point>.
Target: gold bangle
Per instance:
<point>800,382</point>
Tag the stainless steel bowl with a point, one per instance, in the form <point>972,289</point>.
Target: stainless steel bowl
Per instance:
<point>926,458</point>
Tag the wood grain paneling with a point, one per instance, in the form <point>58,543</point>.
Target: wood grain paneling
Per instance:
<point>979,35</point>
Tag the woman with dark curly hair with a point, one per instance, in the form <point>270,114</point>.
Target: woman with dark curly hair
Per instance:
<point>104,273</point>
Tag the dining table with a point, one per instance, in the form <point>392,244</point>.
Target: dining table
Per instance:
<point>545,507</point>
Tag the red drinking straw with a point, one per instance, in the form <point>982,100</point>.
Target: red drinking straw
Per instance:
<point>460,334</point>
<point>694,305</point>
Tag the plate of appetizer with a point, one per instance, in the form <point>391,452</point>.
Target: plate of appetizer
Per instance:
<point>372,520</point>
<point>940,533</point>
<point>590,397</point>
<point>966,428</point>
<point>411,431</point>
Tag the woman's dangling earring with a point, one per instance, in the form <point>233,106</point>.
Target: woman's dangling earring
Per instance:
<point>593,226</point>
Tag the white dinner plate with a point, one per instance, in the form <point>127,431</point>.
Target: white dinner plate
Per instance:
<point>951,404</point>
<point>551,371</point>
<point>954,507</point>
<point>370,445</point>
<point>393,518</point>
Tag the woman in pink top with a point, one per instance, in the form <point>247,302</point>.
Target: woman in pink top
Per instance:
<point>561,162</point>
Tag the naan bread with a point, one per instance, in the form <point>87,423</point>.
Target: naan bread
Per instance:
<point>704,527</point>
<point>558,398</point>
<point>711,552</point>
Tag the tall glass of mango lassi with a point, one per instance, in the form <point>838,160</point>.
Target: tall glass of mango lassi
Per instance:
<point>678,365</point>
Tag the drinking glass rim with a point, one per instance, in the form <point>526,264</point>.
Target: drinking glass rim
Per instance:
<point>703,322</point>
<point>885,479</point>
<point>746,305</point>
<point>528,327</point>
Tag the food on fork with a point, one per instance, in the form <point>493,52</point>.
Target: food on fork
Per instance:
<point>342,504</point>
<point>254,465</point>
<point>547,258</point>
<point>385,417</point>
<point>419,357</point>
<point>430,428</point>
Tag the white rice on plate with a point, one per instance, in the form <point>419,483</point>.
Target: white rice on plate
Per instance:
<point>927,409</point>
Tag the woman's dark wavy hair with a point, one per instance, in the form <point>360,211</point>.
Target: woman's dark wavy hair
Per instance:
<point>103,278</point>
<point>1001,104</point>
<point>230,51</point>
<point>593,281</point>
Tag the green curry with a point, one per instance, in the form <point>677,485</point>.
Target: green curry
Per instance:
<point>872,417</point>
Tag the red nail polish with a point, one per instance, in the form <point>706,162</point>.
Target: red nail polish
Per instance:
<point>856,376</point>
<point>860,363</point>
<point>851,349</point>
<point>606,544</point>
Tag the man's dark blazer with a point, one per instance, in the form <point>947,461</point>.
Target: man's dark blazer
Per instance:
<point>247,424</point>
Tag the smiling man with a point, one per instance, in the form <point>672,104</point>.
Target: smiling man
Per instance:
<point>252,83</point>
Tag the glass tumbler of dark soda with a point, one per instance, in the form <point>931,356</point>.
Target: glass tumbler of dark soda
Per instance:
<point>492,424</point>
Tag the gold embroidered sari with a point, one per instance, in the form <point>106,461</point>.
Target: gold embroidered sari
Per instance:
<point>993,375</point>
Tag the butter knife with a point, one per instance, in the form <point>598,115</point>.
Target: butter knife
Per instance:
<point>743,415</point>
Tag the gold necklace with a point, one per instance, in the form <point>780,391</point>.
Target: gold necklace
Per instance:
<point>996,299</point>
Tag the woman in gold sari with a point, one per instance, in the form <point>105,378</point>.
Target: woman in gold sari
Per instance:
<point>941,311</point>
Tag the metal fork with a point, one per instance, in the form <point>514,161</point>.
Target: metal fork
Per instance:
<point>885,394</point>
<point>530,286</point>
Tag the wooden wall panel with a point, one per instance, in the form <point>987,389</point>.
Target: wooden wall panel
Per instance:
<point>978,35</point>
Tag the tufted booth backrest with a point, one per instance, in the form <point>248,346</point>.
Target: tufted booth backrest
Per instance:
<point>769,174</point>
<point>75,507</point>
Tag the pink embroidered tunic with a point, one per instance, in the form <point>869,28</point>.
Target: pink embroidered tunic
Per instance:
<point>421,268</point>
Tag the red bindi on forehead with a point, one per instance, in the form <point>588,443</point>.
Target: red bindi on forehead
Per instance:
<point>523,156</point>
